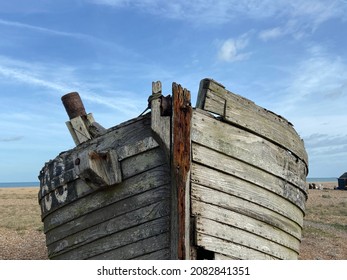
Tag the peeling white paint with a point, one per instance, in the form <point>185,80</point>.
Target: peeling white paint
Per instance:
<point>61,198</point>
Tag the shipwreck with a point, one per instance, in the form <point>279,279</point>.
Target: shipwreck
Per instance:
<point>225,179</point>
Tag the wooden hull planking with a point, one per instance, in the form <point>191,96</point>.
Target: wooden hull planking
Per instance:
<point>191,185</point>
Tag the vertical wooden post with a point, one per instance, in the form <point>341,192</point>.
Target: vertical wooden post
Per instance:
<point>181,157</point>
<point>160,124</point>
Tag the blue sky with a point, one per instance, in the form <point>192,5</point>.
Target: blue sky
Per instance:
<point>287,56</point>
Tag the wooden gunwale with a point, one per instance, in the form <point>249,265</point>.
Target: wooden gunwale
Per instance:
<point>215,98</point>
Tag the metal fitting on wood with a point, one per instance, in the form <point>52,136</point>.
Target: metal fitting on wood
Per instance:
<point>166,106</point>
<point>73,105</point>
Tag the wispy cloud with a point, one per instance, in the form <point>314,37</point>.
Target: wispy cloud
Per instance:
<point>293,27</point>
<point>232,49</point>
<point>92,40</point>
<point>29,78</point>
<point>67,79</point>
<point>221,11</point>
<point>45,30</point>
<point>11,139</point>
<point>317,78</point>
<point>304,17</point>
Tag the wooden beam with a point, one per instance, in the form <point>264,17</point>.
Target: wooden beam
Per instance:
<point>99,168</point>
<point>160,124</point>
<point>181,158</point>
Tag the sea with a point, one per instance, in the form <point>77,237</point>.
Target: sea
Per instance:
<point>321,180</point>
<point>19,184</point>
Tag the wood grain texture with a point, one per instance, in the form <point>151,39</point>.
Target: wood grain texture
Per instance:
<point>247,208</point>
<point>244,238</point>
<point>151,199</point>
<point>230,249</point>
<point>246,172</point>
<point>101,248</point>
<point>135,185</point>
<point>245,223</point>
<point>242,112</point>
<point>248,147</point>
<point>119,223</point>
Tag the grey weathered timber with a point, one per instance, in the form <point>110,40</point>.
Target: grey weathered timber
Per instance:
<point>240,111</point>
<point>155,200</point>
<point>244,222</point>
<point>160,124</point>
<point>230,249</point>
<point>247,147</point>
<point>120,239</point>
<point>224,181</point>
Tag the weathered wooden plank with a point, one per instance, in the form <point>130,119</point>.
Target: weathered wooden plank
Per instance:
<point>138,250</point>
<point>146,199</point>
<point>161,125</point>
<point>142,162</point>
<point>181,150</point>
<point>223,257</point>
<point>246,223</point>
<point>243,112</point>
<point>142,182</point>
<point>163,254</point>
<point>275,201</point>
<point>244,171</point>
<point>230,249</point>
<point>78,130</point>
<point>63,195</point>
<point>120,239</point>
<point>248,147</point>
<point>61,170</point>
<point>140,146</point>
<point>244,207</point>
<point>244,238</point>
<point>127,220</point>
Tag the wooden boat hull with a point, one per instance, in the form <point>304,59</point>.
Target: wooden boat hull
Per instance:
<point>187,184</point>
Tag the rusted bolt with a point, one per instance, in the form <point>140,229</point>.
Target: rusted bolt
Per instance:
<point>77,161</point>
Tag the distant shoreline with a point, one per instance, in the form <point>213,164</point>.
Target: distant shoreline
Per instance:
<point>19,185</point>
<point>321,180</point>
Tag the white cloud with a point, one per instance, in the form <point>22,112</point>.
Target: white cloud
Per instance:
<point>65,80</point>
<point>11,139</point>
<point>271,33</point>
<point>316,80</point>
<point>222,11</point>
<point>45,30</point>
<point>231,49</point>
